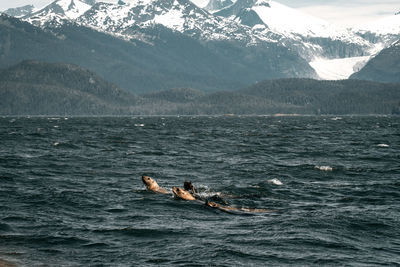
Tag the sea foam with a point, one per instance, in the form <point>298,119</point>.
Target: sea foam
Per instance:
<point>324,168</point>
<point>382,145</point>
<point>275,181</point>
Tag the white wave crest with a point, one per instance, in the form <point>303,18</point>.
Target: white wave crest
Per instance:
<point>336,118</point>
<point>205,195</point>
<point>324,168</point>
<point>382,145</point>
<point>275,181</point>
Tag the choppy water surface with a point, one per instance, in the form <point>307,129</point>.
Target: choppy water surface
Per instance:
<point>71,193</point>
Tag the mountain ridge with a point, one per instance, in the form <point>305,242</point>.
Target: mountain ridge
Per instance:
<point>19,12</point>
<point>310,36</point>
<point>384,67</point>
<point>292,44</point>
<point>168,62</point>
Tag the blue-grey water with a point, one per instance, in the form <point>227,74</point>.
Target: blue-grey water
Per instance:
<point>71,191</point>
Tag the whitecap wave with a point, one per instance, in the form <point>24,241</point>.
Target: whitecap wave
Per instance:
<point>382,145</point>
<point>324,168</point>
<point>336,118</point>
<point>205,195</point>
<point>275,181</point>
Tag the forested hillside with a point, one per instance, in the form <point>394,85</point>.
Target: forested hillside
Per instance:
<point>330,97</point>
<point>384,67</point>
<point>38,88</point>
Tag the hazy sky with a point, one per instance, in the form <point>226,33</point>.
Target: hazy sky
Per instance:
<point>344,12</point>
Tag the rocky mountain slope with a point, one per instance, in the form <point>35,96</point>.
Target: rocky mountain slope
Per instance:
<point>57,13</point>
<point>384,67</point>
<point>275,40</point>
<point>135,20</point>
<point>311,37</point>
<point>19,12</point>
<point>383,31</point>
<point>334,52</point>
<point>171,60</point>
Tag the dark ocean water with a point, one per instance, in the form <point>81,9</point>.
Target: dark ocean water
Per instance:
<point>71,191</point>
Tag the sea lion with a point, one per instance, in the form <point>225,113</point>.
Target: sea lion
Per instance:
<point>188,186</point>
<point>182,193</point>
<point>230,209</point>
<point>152,185</point>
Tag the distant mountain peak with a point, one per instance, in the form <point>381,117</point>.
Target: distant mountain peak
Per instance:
<point>19,12</point>
<point>262,3</point>
<point>177,15</point>
<point>280,18</point>
<point>384,26</point>
<point>302,32</point>
<point>59,11</point>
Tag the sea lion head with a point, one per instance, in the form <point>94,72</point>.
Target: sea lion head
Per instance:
<point>212,204</point>
<point>150,183</point>
<point>182,193</point>
<point>188,186</point>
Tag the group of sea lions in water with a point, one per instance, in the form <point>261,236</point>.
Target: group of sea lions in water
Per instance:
<point>189,193</point>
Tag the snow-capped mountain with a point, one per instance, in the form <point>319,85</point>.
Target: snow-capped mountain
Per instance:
<point>59,12</point>
<point>312,37</point>
<point>291,22</point>
<point>20,11</point>
<point>137,20</point>
<point>172,60</point>
<point>388,25</point>
<point>127,19</point>
<point>178,15</point>
<point>382,32</point>
<point>333,52</point>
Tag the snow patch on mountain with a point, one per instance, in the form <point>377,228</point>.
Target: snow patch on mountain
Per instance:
<point>338,69</point>
<point>292,22</point>
<point>309,36</point>
<point>174,19</point>
<point>178,15</point>
<point>388,25</point>
<point>250,22</point>
<point>73,8</point>
<point>58,12</point>
<point>200,3</point>
<point>289,21</point>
